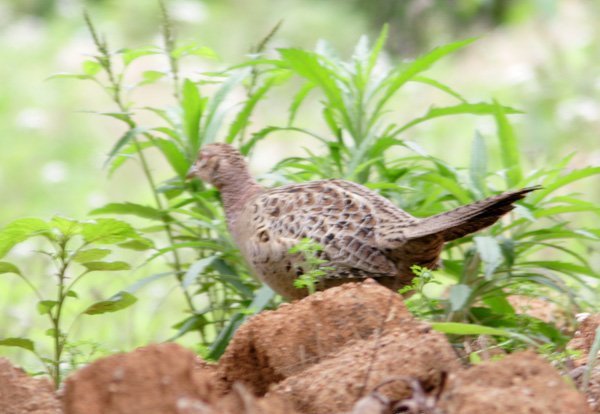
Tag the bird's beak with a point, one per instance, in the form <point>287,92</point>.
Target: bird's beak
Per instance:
<point>191,172</point>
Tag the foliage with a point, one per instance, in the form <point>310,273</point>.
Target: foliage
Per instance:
<point>534,251</point>
<point>484,269</point>
<point>75,250</point>
<point>356,97</point>
<point>311,265</point>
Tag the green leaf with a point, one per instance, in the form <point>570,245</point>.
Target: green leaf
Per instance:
<point>46,306</point>
<point>439,85</point>
<point>151,76</point>
<point>478,168</point>
<point>107,231</point>
<point>509,147</point>
<point>193,107</point>
<point>563,267</point>
<point>457,328</point>
<point>195,270</point>
<point>450,185</point>
<point>421,64</point>
<point>192,323</point>
<point>122,142</point>
<point>377,47</point>
<point>90,254</point>
<point>20,230</point>
<point>459,296</point>
<point>6,267</point>
<point>310,66</point>
<point>550,186</point>
<point>72,294</point>
<point>129,55</point>
<point>480,108</point>
<point>149,279</point>
<point>91,67</point>
<point>130,209</point>
<point>490,253</point>
<point>499,304</point>
<point>259,302</point>
<point>52,333</point>
<point>121,116</point>
<point>216,111</point>
<point>115,303</point>
<point>260,135</point>
<point>228,275</point>
<point>297,101</point>
<point>127,154</point>
<point>18,342</point>
<point>108,266</point>
<point>140,244</point>
<point>65,226</point>
<point>192,49</point>
<point>64,75</point>
<point>242,119</point>
<point>174,156</point>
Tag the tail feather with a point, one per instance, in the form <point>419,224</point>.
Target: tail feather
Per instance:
<point>467,219</point>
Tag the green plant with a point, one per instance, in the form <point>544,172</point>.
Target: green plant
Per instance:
<point>369,147</point>
<point>312,265</point>
<point>213,279</point>
<point>73,250</point>
<point>361,141</point>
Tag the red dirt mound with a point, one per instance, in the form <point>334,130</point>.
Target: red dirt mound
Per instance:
<point>21,394</point>
<point>154,379</point>
<point>277,344</point>
<point>582,341</point>
<point>521,383</point>
<point>336,383</point>
<point>584,337</point>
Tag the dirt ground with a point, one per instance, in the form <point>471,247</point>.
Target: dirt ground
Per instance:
<point>350,349</point>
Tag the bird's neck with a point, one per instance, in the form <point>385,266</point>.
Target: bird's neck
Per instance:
<point>235,194</point>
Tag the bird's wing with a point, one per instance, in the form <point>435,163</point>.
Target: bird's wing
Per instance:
<point>331,213</point>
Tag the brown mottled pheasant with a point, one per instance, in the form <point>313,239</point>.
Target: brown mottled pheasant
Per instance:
<point>362,233</point>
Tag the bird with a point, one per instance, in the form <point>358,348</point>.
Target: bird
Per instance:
<point>361,233</point>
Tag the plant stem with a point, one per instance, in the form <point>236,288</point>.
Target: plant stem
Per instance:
<point>115,85</point>
<point>169,40</point>
<point>55,317</point>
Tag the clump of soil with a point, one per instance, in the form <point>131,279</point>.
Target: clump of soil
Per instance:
<point>584,337</point>
<point>520,383</point>
<point>538,308</point>
<point>338,382</point>
<point>277,344</point>
<point>154,379</point>
<point>582,341</point>
<point>592,392</point>
<point>22,394</point>
<point>350,349</point>
<point>241,401</point>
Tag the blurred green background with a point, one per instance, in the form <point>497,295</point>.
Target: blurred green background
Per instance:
<point>540,56</point>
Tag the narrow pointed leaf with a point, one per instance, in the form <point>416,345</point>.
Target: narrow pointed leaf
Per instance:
<point>106,266</point>
<point>116,303</point>
<point>509,147</point>
<point>20,230</point>
<point>19,343</point>
<point>130,209</point>
<point>6,267</point>
<point>89,255</point>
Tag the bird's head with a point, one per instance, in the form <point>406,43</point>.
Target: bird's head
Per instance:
<point>218,164</point>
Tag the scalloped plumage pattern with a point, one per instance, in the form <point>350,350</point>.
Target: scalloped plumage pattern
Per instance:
<point>362,233</point>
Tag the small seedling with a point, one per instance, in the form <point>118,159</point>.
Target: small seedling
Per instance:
<point>312,266</point>
<point>72,247</point>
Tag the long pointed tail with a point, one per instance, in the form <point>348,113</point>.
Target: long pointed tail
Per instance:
<point>470,218</point>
